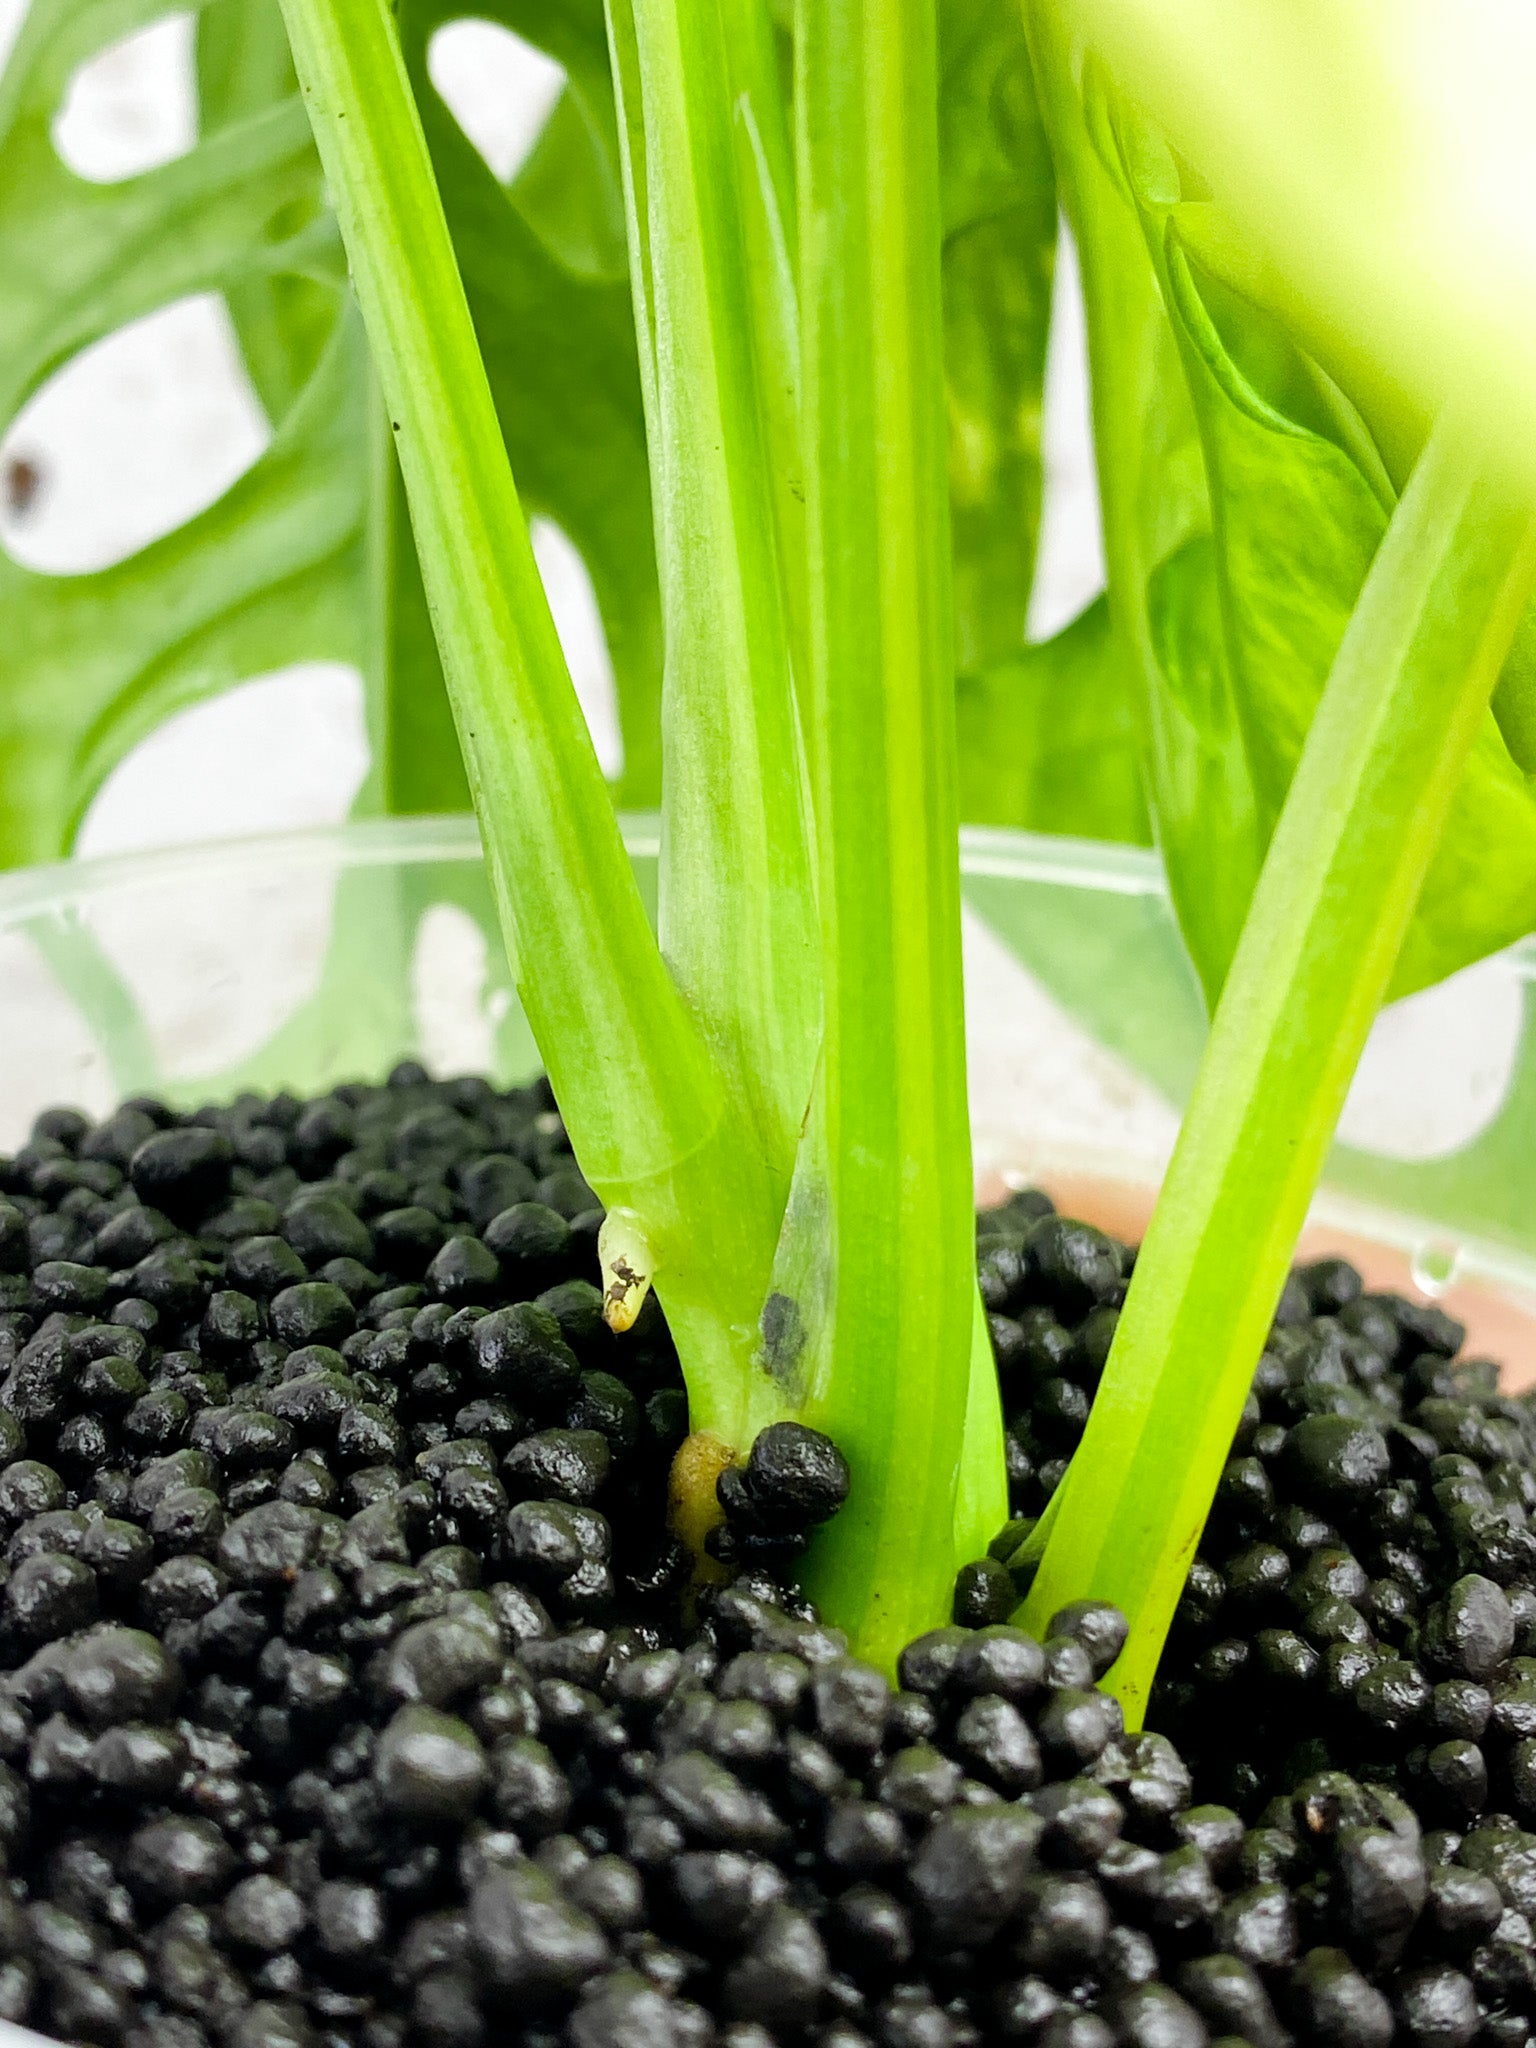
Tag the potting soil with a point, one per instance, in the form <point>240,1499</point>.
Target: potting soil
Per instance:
<point>352,1690</point>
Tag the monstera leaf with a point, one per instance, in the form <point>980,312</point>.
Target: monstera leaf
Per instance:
<point>308,555</point>
<point>267,575</point>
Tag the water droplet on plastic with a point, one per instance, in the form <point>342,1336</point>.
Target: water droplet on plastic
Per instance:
<point>1434,1268</point>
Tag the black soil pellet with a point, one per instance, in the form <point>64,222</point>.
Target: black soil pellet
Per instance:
<point>353,1690</point>
<point>1351,1677</point>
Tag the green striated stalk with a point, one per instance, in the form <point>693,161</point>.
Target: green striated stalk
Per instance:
<point>1408,690</point>
<point>736,893</point>
<point>648,1113</point>
<point>892,1369</point>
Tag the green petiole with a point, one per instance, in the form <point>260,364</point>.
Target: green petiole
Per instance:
<point>1407,694</point>
<point>643,1095</point>
<point>891,1377</point>
<point>737,903</point>
<point>812,1244</point>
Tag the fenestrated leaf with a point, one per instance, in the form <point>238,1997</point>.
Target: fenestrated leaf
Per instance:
<point>544,264</point>
<point>309,555</point>
<point>244,213</point>
<point>266,576</point>
<point>1246,621</point>
<point>283,322</point>
<point>270,574</point>
<point>77,259</point>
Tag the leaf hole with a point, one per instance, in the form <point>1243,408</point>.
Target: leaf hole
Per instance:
<point>1069,562</point>
<point>455,1030</point>
<point>499,88</point>
<point>279,753</point>
<point>12,14</point>
<point>135,435</point>
<point>1438,1066</point>
<point>580,626</point>
<point>132,107</point>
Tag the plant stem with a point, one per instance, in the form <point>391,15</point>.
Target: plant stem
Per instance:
<point>737,901</point>
<point>894,1356</point>
<point>1407,693</point>
<point>644,1103</point>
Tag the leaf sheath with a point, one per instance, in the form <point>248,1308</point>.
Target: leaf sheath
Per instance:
<point>737,909</point>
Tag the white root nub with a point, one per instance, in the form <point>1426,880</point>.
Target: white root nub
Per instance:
<point>626,1261</point>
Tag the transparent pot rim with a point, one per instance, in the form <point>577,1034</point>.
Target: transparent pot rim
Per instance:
<point>1109,871</point>
<point>383,842</point>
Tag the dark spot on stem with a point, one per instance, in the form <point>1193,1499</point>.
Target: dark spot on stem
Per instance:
<point>784,1335</point>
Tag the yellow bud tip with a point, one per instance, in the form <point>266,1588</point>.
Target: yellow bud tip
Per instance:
<point>625,1258</point>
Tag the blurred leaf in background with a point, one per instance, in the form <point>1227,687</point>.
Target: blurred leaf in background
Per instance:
<point>308,555</point>
<point>91,663</point>
<point>1244,499</point>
